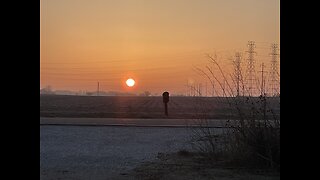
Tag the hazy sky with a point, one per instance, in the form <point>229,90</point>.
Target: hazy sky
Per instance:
<point>157,42</point>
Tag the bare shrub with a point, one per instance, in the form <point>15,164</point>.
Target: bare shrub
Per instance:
<point>251,138</point>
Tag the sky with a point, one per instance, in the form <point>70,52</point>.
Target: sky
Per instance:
<point>158,43</point>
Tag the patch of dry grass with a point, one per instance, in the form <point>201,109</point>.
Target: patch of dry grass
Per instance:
<point>178,166</point>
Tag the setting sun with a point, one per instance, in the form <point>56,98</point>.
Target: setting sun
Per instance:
<point>130,82</point>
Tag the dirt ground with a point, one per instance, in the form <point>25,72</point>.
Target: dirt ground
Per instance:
<point>178,166</point>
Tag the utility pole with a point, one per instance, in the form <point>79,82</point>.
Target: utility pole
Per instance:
<point>224,87</point>
<point>237,71</point>
<point>262,80</point>
<point>263,96</point>
<point>212,83</point>
<point>192,90</point>
<point>98,89</point>
<point>206,89</point>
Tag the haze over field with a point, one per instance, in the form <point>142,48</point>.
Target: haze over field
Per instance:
<point>157,43</point>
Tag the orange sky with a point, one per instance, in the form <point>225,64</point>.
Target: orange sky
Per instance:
<point>156,42</point>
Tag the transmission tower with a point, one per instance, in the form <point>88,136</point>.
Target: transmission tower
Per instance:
<point>237,71</point>
<point>274,81</point>
<point>250,76</point>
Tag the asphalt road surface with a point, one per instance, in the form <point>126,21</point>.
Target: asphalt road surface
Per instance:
<point>133,122</point>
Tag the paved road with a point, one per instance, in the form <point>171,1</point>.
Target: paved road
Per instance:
<point>103,152</point>
<point>131,122</point>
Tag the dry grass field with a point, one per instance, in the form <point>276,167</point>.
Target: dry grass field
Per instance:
<point>139,107</point>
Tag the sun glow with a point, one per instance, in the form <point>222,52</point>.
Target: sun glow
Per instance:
<point>130,82</point>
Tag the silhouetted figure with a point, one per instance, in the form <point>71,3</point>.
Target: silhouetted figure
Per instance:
<point>165,97</point>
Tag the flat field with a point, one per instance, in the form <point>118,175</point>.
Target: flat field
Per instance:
<point>145,107</point>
